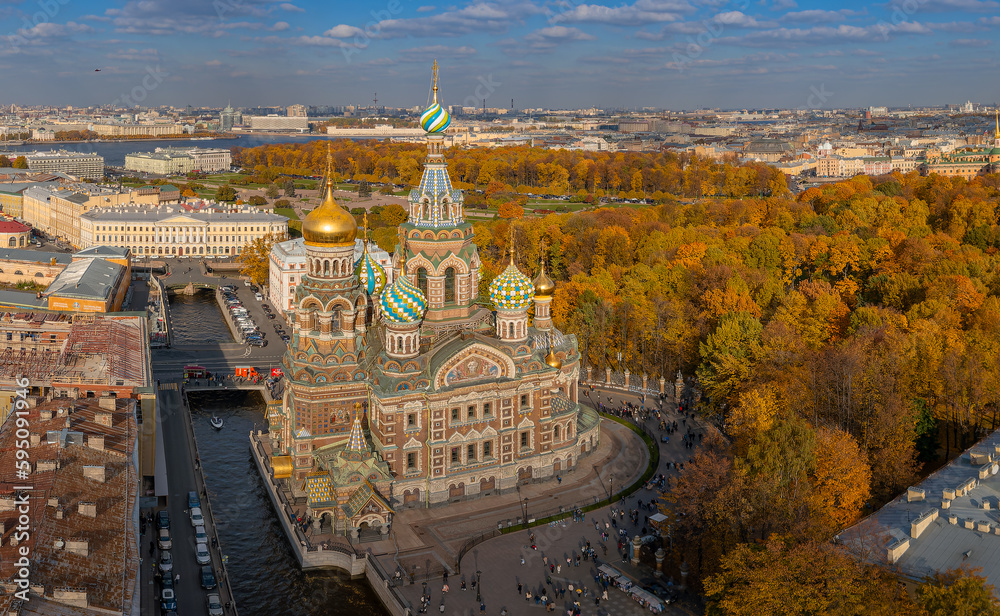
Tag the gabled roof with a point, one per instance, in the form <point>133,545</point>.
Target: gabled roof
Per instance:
<point>361,497</point>
<point>103,252</point>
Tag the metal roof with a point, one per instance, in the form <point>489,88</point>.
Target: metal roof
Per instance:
<point>86,279</point>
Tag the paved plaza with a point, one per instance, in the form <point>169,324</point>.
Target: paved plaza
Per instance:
<point>499,559</point>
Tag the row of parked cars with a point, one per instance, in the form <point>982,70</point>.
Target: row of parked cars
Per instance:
<point>252,335</point>
<point>168,591</point>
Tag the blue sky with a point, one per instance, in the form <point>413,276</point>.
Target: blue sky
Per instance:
<point>676,54</point>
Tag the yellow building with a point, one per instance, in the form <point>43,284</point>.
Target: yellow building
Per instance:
<point>967,163</point>
<point>89,285</point>
<point>56,210</point>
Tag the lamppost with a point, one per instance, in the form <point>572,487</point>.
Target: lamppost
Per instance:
<point>479,586</point>
<point>526,512</point>
<point>611,481</point>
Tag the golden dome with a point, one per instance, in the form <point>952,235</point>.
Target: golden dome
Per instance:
<point>282,466</point>
<point>552,360</point>
<point>329,225</point>
<point>544,286</point>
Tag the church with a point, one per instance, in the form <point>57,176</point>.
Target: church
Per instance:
<point>420,392</point>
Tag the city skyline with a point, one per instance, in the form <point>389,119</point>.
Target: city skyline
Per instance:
<point>673,54</point>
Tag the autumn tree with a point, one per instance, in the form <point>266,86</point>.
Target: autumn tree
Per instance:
<point>20,162</point>
<point>958,592</point>
<point>254,258</point>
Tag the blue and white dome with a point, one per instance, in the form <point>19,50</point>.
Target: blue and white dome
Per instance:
<point>403,302</point>
<point>435,119</point>
<point>370,274</point>
<point>511,290</point>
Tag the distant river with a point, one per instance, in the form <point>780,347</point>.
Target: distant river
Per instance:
<point>114,153</point>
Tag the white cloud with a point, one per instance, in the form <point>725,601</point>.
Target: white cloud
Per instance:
<point>344,31</point>
<point>288,6</point>
<point>969,42</point>
<point>425,9</point>
<point>280,26</point>
<point>214,63</point>
<point>476,18</point>
<point>739,19</point>
<point>560,33</point>
<point>819,16</point>
<point>946,5</point>
<point>641,13</point>
<point>430,52</point>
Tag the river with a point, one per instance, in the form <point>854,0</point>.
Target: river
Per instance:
<point>197,319</point>
<point>114,152</point>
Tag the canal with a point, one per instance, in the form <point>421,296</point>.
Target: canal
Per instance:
<point>265,576</point>
<point>198,319</point>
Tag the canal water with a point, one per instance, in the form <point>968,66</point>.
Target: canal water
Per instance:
<point>198,319</point>
<point>265,576</point>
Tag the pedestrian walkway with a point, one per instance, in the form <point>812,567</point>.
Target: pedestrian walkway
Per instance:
<point>505,580</point>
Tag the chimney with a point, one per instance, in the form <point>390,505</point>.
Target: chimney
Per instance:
<point>60,512</point>
<point>78,546</point>
<point>96,441</point>
<point>45,415</point>
<point>87,509</point>
<point>35,438</point>
<point>52,502</point>
<point>96,473</point>
<point>107,403</point>
<point>104,418</point>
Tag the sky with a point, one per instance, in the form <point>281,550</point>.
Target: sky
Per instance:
<point>672,54</point>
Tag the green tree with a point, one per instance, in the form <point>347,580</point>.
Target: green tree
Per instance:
<point>272,191</point>
<point>289,187</point>
<point>225,193</point>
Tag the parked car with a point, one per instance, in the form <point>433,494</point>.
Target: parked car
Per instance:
<point>258,297</point>
<point>270,316</point>
<point>196,518</point>
<point>246,283</point>
<point>201,553</point>
<point>193,500</point>
<point>200,536</point>
<point>168,600</point>
<point>166,581</point>
<point>166,561</point>
<point>285,338</point>
<point>163,519</point>
<point>257,342</point>
<point>214,605</point>
<point>164,539</point>
<point>207,577</point>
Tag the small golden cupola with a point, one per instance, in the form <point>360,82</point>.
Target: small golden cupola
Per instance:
<point>552,359</point>
<point>544,286</point>
<point>329,225</point>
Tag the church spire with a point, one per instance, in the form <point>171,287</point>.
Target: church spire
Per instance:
<point>435,70</point>
<point>996,132</point>
<point>357,440</point>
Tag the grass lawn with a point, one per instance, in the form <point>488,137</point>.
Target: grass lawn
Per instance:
<point>286,212</point>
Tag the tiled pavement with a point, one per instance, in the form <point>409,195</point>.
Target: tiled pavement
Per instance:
<point>499,561</point>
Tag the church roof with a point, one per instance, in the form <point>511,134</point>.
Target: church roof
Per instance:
<point>361,497</point>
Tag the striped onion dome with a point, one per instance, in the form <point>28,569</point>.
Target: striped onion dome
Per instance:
<point>435,119</point>
<point>511,290</point>
<point>370,274</point>
<point>403,302</point>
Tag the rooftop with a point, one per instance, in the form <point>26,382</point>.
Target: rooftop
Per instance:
<point>86,279</point>
<point>33,256</point>
<point>84,492</point>
<point>104,252</point>
<point>12,226</point>
<point>950,519</point>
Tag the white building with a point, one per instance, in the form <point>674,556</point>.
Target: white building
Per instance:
<point>288,266</point>
<point>167,161</point>
<point>81,165</point>
<point>180,230</point>
<point>276,122</point>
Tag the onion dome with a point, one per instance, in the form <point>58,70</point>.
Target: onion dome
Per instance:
<point>403,302</point>
<point>329,225</point>
<point>551,359</point>
<point>370,273</point>
<point>544,287</point>
<point>511,290</point>
<point>435,119</point>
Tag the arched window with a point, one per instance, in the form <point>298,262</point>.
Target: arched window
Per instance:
<point>555,433</point>
<point>427,210</point>
<point>449,285</point>
<point>326,267</point>
<point>422,281</point>
<point>21,241</point>
<point>335,320</point>
<point>12,242</point>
